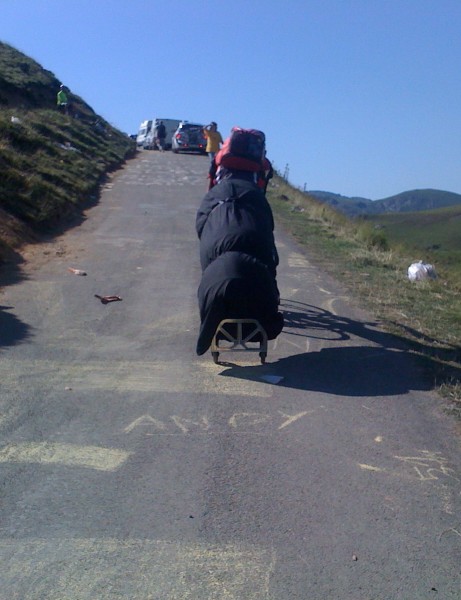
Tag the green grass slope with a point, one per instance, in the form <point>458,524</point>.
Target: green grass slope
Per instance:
<point>434,235</point>
<point>51,164</point>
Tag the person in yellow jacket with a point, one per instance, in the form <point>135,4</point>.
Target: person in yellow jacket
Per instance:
<point>213,139</point>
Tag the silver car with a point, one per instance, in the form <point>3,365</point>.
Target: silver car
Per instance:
<point>189,138</point>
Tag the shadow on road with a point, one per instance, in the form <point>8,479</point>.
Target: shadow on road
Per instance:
<point>358,358</point>
<point>310,321</point>
<point>10,269</point>
<point>348,371</point>
<point>12,330</point>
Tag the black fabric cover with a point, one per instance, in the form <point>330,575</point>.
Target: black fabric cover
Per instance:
<point>236,216</point>
<point>237,286</point>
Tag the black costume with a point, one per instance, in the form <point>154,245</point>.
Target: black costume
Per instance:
<point>236,216</point>
<point>237,286</point>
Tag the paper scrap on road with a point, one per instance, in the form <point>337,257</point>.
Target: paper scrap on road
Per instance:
<point>77,271</point>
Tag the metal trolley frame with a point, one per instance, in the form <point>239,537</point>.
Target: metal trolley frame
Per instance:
<point>239,342</point>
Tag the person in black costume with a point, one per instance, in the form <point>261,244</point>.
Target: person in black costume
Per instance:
<point>238,256</point>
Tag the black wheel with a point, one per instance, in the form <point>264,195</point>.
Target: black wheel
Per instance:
<point>263,357</point>
<point>215,356</point>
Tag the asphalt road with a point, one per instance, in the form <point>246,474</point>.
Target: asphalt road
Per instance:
<point>131,468</point>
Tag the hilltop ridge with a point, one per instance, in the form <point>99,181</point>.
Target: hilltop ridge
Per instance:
<point>25,84</point>
<point>410,201</point>
<point>51,164</point>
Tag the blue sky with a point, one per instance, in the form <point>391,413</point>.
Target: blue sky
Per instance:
<point>357,97</point>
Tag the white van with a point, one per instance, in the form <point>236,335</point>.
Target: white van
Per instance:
<point>143,130</point>
<point>170,125</point>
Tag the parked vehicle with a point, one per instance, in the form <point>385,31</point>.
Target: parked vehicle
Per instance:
<point>171,126</point>
<point>144,128</point>
<point>189,137</point>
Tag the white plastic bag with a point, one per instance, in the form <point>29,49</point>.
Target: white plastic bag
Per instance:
<point>420,270</point>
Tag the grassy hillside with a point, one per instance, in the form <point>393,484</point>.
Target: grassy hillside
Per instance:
<point>372,263</point>
<point>51,164</point>
<point>434,235</point>
<point>23,82</point>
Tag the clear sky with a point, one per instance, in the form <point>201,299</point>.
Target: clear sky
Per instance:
<point>357,97</point>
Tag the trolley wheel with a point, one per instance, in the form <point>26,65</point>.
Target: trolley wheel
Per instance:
<point>263,357</point>
<point>215,356</point>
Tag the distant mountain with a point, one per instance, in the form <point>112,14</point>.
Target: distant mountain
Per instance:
<point>417,200</point>
<point>411,201</point>
<point>352,207</point>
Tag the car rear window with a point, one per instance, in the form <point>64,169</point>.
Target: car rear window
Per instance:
<point>191,127</point>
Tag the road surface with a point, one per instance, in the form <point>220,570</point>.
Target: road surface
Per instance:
<point>131,468</point>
